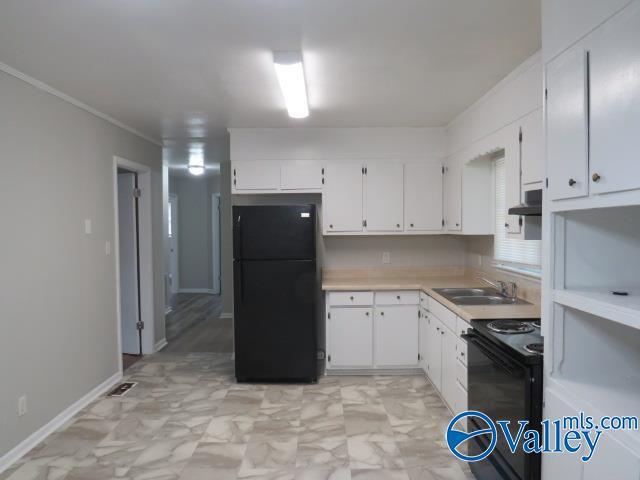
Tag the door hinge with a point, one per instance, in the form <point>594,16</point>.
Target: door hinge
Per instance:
<point>234,182</point>
<point>140,325</point>
<point>520,221</point>
<point>329,357</point>
<point>418,356</point>
<point>443,222</point>
<point>363,170</point>
<point>323,180</point>
<point>546,93</point>
<point>329,315</point>
<point>322,170</point>
<point>234,172</point>
<point>364,223</point>
<point>547,182</point>
<point>419,316</point>
<point>520,135</point>
<point>137,193</point>
<point>443,169</point>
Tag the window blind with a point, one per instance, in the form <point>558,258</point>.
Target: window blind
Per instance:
<point>525,252</point>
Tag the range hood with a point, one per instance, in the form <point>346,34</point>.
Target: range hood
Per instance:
<point>532,205</point>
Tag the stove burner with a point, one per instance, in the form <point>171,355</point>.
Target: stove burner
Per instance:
<point>509,326</point>
<point>535,323</point>
<point>534,348</point>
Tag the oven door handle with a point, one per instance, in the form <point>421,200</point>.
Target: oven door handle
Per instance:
<point>488,352</point>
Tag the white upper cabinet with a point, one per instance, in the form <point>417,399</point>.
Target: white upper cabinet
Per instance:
<point>342,198</point>
<point>301,176</point>
<point>614,61</point>
<point>532,149</point>
<point>396,336</point>
<point>453,197</point>
<point>258,175</point>
<point>423,197</point>
<point>384,192</point>
<point>512,176</point>
<point>566,125</point>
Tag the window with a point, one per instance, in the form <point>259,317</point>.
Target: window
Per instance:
<point>511,253</point>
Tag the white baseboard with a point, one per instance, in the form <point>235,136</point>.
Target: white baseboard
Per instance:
<point>226,315</point>
<point>160,345</point>
<point>17,452</point>
<point>197,290</point>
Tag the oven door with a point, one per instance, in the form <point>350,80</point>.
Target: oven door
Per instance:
<point>500,387</point>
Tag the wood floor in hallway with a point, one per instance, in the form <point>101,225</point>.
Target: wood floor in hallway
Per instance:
<point>195,326</point>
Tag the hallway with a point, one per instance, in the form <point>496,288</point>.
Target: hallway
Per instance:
<point>195,326</point>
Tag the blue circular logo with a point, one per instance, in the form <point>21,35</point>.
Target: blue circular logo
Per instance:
<point>456,437</point>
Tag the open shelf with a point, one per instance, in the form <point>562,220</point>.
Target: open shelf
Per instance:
<point>602,303</point>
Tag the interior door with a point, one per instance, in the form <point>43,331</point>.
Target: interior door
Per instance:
<point>384,193</point>
<point>174,280</point>
<point>423,197</point>
<point>396,335</point>
<point>128,263</point>
<point>566,125</point>
<point>342,198</point>
<point>615,104</point>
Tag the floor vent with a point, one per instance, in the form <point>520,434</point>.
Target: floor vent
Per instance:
<point>122,389</point>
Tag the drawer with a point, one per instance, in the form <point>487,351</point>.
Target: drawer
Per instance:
<point>400,297</point>
<point>446,316</point>
<point>462,326</point>
<point>424,300</point>
<point>461,351</point>
<point>461,374</point>
<point>350,298</point>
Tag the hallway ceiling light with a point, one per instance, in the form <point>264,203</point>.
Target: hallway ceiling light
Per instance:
<point>290,73</point>
<point>196,162</point>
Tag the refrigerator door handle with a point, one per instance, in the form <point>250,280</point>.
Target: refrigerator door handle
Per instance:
<point>238,239</point>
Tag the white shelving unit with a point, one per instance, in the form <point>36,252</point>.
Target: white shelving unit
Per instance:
<point>602,303</point>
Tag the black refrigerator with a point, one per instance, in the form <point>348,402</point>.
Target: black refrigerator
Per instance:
<point>274,276</point>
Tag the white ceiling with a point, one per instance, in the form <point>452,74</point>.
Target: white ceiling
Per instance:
<point>188,69</point>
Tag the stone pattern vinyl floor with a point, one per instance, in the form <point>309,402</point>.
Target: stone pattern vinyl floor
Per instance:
<point>187,419</point>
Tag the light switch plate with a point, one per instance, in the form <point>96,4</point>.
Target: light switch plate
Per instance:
<point>87,226</point>
<point>386,257</point>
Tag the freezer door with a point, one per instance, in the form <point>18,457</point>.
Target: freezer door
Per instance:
<point>274,320</point>
<point>274,232</point>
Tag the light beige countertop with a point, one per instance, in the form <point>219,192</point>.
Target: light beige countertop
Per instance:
<point>361,281</point>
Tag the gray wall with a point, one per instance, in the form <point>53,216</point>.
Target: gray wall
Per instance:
<point>194,229</point>
<point>58,288</point>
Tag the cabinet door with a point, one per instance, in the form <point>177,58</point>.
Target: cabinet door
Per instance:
<point>263,175</point>
<point>453,196</point>
<point>566,125</point>
<point>384,207</point>
<point>422,197</point>
<point>449,368</point>
<point>532,148</point>
<point>615,104</point>
<point>423,339</point>
<point>434,351</point>
<point>512,177</point>
<point>396,336</point>
<point>342,198</point>
<point>301,176</point>
<point>350,337</point>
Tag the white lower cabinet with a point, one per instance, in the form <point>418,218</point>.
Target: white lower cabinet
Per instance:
<point>396,336</point>
<point>434,351</point>
<point>350,335</point>
<point>423,341</point>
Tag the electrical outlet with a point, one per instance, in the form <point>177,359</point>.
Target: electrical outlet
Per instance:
<point>386,257</point>
<point>22,406</point>
<point>87,226</point>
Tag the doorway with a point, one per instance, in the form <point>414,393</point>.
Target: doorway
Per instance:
<point>133,260</point>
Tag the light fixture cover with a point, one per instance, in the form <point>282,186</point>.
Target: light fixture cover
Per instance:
<point>196,160</point>
<point>196,170</point>
<point>290,73</point>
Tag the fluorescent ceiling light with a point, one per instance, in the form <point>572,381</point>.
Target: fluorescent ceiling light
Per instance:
<point>196,161</point>
<point>290,75</point>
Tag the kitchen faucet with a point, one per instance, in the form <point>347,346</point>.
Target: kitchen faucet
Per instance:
<point>506,289</point>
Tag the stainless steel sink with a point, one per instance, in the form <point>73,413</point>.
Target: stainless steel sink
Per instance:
<point>477,296</point>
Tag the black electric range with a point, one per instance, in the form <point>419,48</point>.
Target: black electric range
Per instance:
<point>505,383</point>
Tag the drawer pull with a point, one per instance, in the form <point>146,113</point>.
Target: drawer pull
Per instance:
<point>382,313</point>
<point>398,297</point>
<point>351,297</point>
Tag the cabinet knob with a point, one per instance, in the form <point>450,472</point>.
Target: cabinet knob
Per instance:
<point>595,177</point>
<point>457,224</point>
<point>438,328</point>
<point>351,298</point>
<point>411,224</point>
<point>398,225</point>
<point>462,354</point>
<point>506,225</point>
<point>366,313</point>
<point>398,297</point>
<point>441,332</point>
<point>330,225</point>
<point>572,182</point>
<point>382,313</point>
